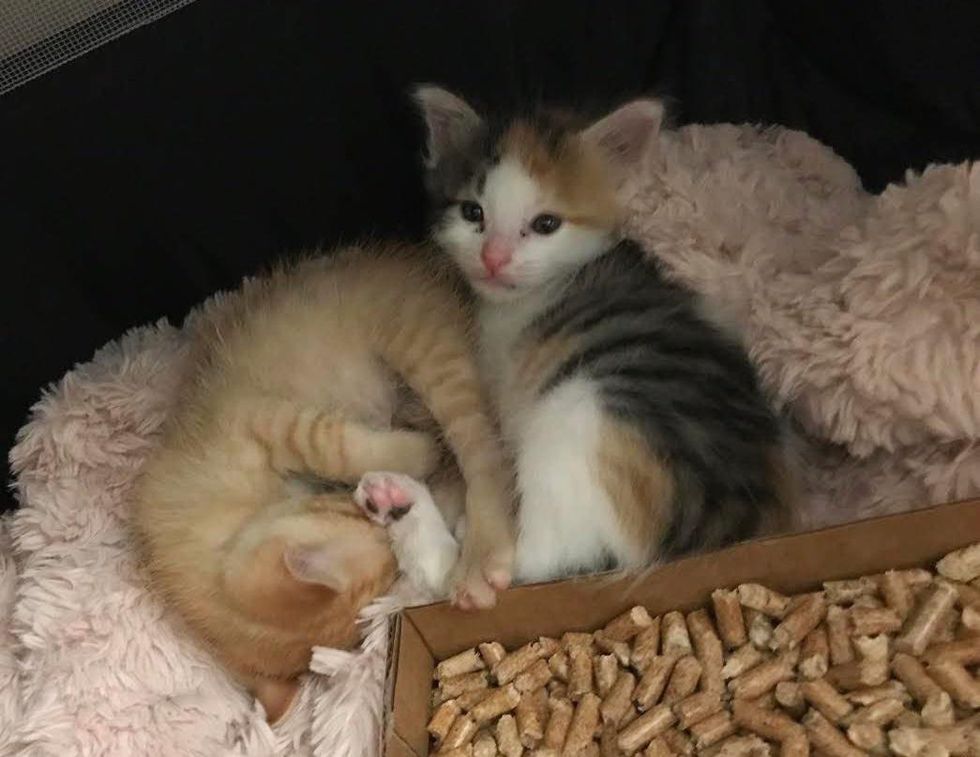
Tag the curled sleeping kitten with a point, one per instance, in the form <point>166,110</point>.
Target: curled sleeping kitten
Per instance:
<point>247,514</point>
<point>638,428</point>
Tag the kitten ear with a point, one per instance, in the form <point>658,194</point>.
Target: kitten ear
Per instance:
<point>449,120</point>
<point>624,135</point>
<point>328,564</point>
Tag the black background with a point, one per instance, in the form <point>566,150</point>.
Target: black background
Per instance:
<point>165,165</point>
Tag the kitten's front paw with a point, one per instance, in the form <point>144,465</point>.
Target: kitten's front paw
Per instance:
<point>386,497</point>
<point>484,568</point>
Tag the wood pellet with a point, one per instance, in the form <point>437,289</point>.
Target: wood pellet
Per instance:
<point>874,665</point>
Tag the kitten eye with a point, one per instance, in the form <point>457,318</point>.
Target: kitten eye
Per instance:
<point>471,211</point>
<point>546,223</point>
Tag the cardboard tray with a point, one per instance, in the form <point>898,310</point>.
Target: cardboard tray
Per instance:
<point>422,635</point>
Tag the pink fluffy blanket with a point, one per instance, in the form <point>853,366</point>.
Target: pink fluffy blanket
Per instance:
<point>862,313</point>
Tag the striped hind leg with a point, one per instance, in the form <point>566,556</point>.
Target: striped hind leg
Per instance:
<point>305,438</point>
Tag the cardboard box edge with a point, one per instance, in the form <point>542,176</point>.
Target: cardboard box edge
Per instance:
<point>408,634</point>
<point>616,576</point>
<point>387,732</point>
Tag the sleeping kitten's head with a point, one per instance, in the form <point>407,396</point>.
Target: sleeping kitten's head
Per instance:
<point>531,200</point>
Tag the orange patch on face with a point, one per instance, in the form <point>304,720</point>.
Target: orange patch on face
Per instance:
<point>568,170</point>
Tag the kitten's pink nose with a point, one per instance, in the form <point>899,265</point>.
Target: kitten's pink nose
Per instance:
<point>496,254</point>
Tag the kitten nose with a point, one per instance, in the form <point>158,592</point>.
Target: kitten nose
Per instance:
<point>496,254</point>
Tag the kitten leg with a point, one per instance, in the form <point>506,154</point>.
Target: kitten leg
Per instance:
<point>428,345</point>
<point>449,492</point>
<point>423,546</point>
<point>298,438</point>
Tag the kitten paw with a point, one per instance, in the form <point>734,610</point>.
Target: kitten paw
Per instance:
<point>481,573</point>
<point>386,497</point>
<point>471,591</point>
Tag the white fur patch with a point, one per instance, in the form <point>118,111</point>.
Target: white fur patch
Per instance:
<point>566,522</point>
<point>500,328</point>
<point>425,549</point>
<point>510,199</point>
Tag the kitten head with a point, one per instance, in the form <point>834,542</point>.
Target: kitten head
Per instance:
<point>315,561</point>
<point>529,201</point>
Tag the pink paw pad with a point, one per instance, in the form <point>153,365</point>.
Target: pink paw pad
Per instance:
<point>382,498</point>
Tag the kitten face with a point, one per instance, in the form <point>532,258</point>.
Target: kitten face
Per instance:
<point>509,231</point>
<point>530,201</point>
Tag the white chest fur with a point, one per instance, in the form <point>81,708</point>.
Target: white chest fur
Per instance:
<point>566,522</point>
<point>501,328</point>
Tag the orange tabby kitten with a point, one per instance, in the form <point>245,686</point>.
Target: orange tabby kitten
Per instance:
<point>296,377</point>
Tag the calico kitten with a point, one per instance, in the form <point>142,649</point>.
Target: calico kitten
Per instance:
<point>295,378</point>
<point>638,427</point>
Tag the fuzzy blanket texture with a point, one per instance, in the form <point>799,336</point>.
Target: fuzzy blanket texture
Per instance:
<point>861,312</point>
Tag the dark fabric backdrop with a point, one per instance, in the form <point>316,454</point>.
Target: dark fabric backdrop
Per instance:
<point>166,165</point>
